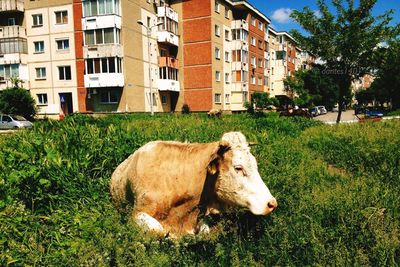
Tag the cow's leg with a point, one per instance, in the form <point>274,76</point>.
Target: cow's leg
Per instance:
<point>148,223</point>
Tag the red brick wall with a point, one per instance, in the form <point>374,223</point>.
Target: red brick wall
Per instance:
<point>80,63</point>
<point>258,52</point>
<point>197,54</point>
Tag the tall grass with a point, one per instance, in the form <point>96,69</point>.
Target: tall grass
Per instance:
<point>337,188</point>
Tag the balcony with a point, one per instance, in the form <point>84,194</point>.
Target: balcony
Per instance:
<point>167,37</point>
<point>240,66</point>
<point>12,31</point>
<point>101,22</point>
<point>14,58</point>
<point>240,24</point>
<point>167,12</point>
<point>104,80</point>
<point>168,85</point>
<point>103,50</point>
<point>168,62</point>
<point>12,5</point>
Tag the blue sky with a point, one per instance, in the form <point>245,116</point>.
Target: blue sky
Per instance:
<point>278,10</point>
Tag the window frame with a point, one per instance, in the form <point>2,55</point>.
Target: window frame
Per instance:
<point>35,20</point>
<point>63,44</point>
<point>41,51</point>
<point>42,99</point>
<point>217,76</point>
<point>60,12</point>
<point>217,98</point>
<point>41,76</point>
<point>64,67</point>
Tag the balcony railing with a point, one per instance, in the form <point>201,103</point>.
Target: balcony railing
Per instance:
<point>104,80</point>
<point>167,37</point>
<point>12,31</point>
<point>240,24</point>
<point>168,62</point>
<point>12,5</point>
<point>103,50</point>
<point>168,85</point>
<point>168,12</point>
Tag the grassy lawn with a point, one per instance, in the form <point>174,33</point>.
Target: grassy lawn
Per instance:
<point>338,189</point>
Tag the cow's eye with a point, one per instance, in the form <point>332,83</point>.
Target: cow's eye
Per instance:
<point>239,169</point>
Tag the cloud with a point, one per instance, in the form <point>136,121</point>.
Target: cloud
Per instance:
<point>282,15</point>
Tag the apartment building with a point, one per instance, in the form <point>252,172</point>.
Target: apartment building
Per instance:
<point>142,56</point>
<point>13,43</point>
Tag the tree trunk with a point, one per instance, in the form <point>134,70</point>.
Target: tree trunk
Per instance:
<point>341,103</point>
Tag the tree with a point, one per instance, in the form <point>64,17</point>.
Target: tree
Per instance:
<point>345,40</point>
<point>313,87</point>
<point>260,101</point>
<point>17,100</point>
<point>386,86</point>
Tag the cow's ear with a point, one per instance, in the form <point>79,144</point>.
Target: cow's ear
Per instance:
<point>224,146</point>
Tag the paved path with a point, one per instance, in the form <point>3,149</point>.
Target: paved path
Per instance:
<point>347,117</point>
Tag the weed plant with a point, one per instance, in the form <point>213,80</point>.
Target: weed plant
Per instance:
<point>338,189</point>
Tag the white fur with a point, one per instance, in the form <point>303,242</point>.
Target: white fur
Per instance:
<point>148,223</point>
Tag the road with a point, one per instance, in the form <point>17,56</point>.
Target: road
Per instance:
<point>330,117</point>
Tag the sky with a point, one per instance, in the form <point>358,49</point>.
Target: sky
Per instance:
<point>278,11</point>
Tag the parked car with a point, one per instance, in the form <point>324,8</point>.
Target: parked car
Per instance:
<point>314,111</point>
<point>322,110</point>
<point>14,122</point>
<point>373,113</point>
<point>335,108</point>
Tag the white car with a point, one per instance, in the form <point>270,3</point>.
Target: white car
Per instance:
<point>322,110</point>
<point>14,122</point>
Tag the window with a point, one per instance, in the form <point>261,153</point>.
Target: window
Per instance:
<point>260,26</point>
<point>227,79</point>
<point>265,80</point>
<point>253,61</point>
<point>103,65</point>
<point>40,73</point>
<point>227,98</point>
<point>169,25</point>
<point>102,36</point>
<point>217,6</point>
<point>253,21</point>
<point>164,99</point>
<point>61,17</point>
<point>260,44</point>
<point>217,98</point>
<point>37,20</point>
<point>226,13</point>
<point>39,46</point>
<point>217,53</point>
<point>260,61</point>
<point>253,41</point>
<point>42,99</point>
<point>265,63</point>
<point>226,35</point>
<point>272,70</point>
<point>245,96</point>
<point>253,79</point>
<point>272,86</point>
<point>260,81</point>
<point>217,30</point>
<point>64,73</point>
<point>226,56</point>
<point>240,34</point>
<point>100,7</point>
<point>218,76</point>
<point>109,97</point>
<point>11,21</point>
<point>62,44</point>
<point>8,71</point>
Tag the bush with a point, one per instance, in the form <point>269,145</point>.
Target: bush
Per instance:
<point>185,109</point>
<point>17,101</point>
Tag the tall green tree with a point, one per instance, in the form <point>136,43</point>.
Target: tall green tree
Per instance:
<point>386,86</point>
<point>344,39</point>
<point>313,87</point>
<point>17,100</point>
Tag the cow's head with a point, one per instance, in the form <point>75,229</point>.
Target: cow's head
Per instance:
<point>238,182</point>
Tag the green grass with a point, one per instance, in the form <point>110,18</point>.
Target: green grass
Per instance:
<point>338,189</point>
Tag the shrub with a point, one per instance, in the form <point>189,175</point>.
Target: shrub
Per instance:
<point>17,101</point>
<point>185,109</point>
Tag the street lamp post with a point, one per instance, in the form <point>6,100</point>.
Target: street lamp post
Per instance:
<point>148,30</point>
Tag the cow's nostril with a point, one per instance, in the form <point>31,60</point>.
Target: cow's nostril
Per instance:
<point>272,204</point>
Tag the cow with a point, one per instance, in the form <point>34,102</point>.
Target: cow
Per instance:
<point>214,113</point>
<point>173,185</point>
